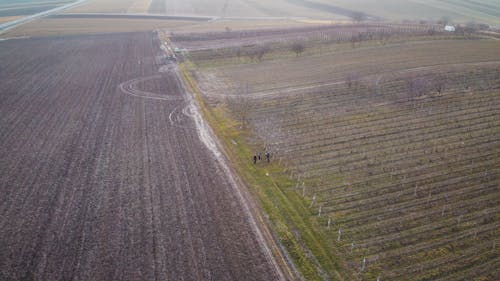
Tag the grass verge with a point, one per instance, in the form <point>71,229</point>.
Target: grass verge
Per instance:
<point>288,213</point>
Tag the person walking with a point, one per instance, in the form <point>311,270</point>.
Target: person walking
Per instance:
<point>255,159</point>
<point>259,156</point>
<point>268,157</point>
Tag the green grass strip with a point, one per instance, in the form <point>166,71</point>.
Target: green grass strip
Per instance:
<point>290,218</point>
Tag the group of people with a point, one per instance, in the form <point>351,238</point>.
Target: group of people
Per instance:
<point>258,157</point>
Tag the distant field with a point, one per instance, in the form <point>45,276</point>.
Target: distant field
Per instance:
<point>112,6</point>
<point>238,8</point>
<point>459,11</point>
<point>26,7</point>
<point>30,2</point>
<point>486,11</point>
<point>243,14</point>
<point>395,147</point>
<point>73,26</point>
<point>6,19</point>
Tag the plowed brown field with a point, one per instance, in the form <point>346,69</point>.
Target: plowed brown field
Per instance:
<point>103,175</point>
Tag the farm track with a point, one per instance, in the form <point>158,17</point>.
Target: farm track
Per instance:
<point>104,176</point>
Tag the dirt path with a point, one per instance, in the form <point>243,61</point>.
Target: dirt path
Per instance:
<point>107,182</point>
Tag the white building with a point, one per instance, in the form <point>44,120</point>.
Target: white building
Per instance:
<point>449,28</point>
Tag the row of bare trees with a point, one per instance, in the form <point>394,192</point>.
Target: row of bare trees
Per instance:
<point>254,54</point>
<point>257,53</point>
<point>415,86</point>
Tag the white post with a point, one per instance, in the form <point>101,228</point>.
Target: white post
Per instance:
<point>313,201</point>
<point>363,267</point>
<point>340,234</point>
<point>329,223</point>
<point>319,212</point>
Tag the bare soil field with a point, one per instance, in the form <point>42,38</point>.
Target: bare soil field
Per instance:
<point>237,8</point>
<point>91,25</point>
<point>486,11</point>
<point>394,149</point>
<point>24,8</point>
<point>21,11</point>
<point>108,6</point>
<point>103,174</point>
<point>459,11</point>
<point>6,19</point>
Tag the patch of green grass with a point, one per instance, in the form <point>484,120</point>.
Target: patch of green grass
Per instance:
<point>288,213</point>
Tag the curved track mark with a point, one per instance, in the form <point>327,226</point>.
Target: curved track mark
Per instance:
<point>130,88</point>
<point>177,117</point>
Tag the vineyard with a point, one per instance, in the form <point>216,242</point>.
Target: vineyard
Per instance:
<point>395,149</point>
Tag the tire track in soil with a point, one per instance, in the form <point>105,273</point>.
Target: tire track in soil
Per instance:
<point>98,184</point>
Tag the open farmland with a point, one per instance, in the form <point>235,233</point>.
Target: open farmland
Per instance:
<point>113,6</point>
<point>59,26</point>
<point>395,149</point>
<point>237,8</point>
<point>103,173</point>
<point>459,11</point>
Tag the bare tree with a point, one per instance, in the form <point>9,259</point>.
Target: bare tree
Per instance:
<point>416,87</point>
<point>261,51</point>
<point>353,41</point>
<point>238,52</point>
<point>357,16</point>
<point>439,83</point>
<point>297,48</point>
<point>240,105</point>
<point>352,80</point>
<point>258,53</point>
<point>251,54</point>
<point>470,28</point>
<point>483,26</point>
